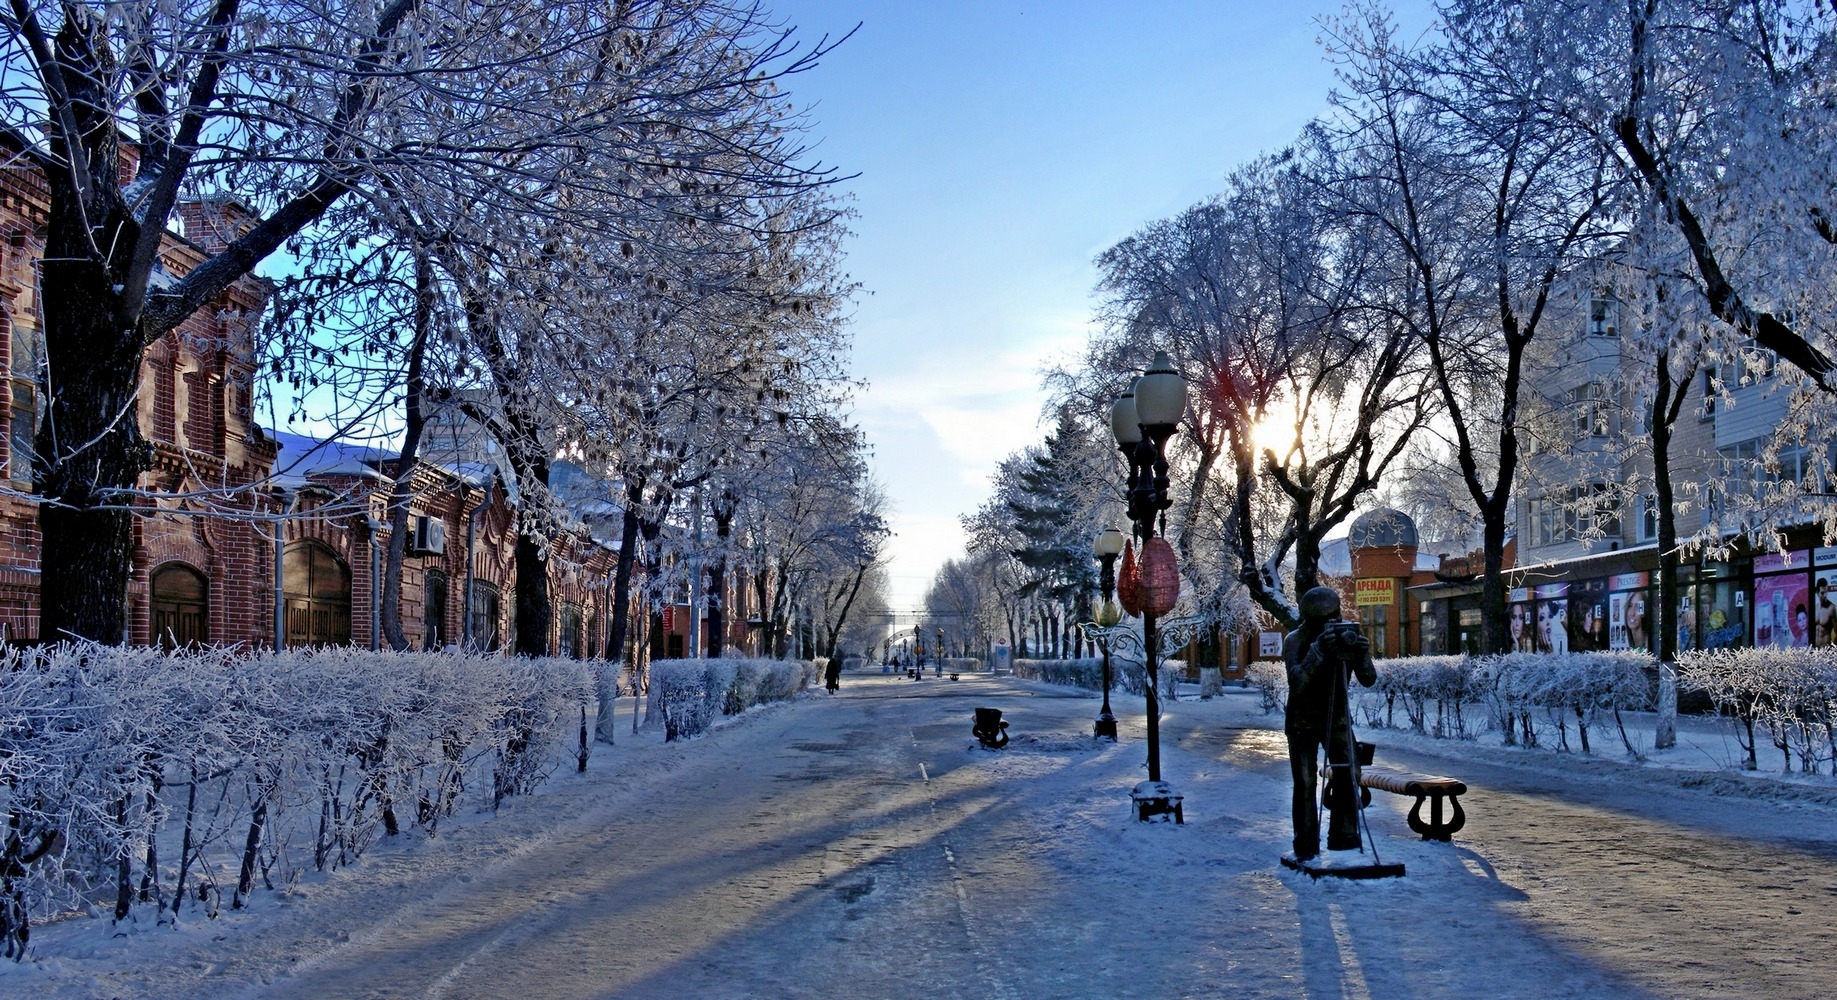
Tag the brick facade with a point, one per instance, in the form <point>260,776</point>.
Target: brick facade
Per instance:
<point>204,553</point>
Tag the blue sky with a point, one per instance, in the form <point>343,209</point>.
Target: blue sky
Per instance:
<point>1000,147</point>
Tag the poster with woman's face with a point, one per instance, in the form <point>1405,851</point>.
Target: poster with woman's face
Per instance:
<point>1555,630</point>
<point>1638,631</point>
<point>1521,635</point>
<point>1782,611</point>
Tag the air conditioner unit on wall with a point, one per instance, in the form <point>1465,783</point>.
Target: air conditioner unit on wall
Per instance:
<point>428,537</point>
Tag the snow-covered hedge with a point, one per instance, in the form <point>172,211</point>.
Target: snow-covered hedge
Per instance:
<point>1790,693</point>
<point>1524,694</point>
<point>1086,673</point>
<point>150,781</point>
<point>688,695</point>
<point>1126,675</point>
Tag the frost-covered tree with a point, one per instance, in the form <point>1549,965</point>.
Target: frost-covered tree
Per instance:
<point>294,107</point>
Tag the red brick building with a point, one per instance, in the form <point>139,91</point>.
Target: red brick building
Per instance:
<point>220,489</point>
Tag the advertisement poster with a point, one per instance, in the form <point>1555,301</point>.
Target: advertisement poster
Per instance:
<point>1824,610</point>
<point>1553,626</point>
<point>1523,625</point>
<point>1782,611</point>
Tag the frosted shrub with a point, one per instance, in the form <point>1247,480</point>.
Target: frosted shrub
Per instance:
<point>690,694</point>
<point>1561,688</point>
<point>1418,680</point>
<point>142,779</point>
<point>1085,673</point>
<point>1270,678</point>
<point>1791,693</point>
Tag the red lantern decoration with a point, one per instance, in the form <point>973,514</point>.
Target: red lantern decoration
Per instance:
<point>1159,577</point>
<point>1128,586</point>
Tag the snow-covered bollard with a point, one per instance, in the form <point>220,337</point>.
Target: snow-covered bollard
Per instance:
<point>1211,683</point>
<point>1157,800</point>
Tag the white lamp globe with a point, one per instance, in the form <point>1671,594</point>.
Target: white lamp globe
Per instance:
<point>1160,395</point>
<point>1109,542</point>
<point>1123,421</point>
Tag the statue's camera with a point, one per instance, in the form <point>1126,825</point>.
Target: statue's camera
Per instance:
<point>1340,628</point>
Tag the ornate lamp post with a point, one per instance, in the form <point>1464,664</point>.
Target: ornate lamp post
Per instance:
<point>1106,547</point>
<point>1142,421</point>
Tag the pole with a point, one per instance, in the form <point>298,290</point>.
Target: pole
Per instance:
<point>1151,642</point>
<point>695,579</point>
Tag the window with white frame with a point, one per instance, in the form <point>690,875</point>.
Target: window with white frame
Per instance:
<point>1589,409</point>
<point>1604,316</point>
<point>1648,517</point>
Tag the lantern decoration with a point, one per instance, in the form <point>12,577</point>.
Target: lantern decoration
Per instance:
<point>1158,581</point>
<point>1109,614</point>
<point>1128,587</point>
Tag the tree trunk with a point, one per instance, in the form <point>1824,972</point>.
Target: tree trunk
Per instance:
<point>89,443</point>
<point>1667,404</point>
<point>403,489</point>
<point>618,625</point>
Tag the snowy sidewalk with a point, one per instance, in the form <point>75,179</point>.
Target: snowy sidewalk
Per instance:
<point>864,846</point>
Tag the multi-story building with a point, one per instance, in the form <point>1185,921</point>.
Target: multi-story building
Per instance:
<point>1584,568</point>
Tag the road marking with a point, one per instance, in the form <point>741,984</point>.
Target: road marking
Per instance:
<point>984,967</point>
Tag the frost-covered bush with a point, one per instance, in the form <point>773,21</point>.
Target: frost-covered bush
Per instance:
<point>688,695</point>
<point>1792,693</point>
<point>1584,688</point>
<point>1084,673</point>
<point>1417,681</point>
<point>138,778</point>
<point>1270,678</point>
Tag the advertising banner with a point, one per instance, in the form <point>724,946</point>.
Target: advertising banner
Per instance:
<point>1782,610</point>
<point>1372,592</point>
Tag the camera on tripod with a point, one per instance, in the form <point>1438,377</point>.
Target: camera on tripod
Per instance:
<point>1341,628</point>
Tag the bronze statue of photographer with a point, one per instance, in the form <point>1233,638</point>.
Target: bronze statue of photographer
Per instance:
<point>1322,655</point>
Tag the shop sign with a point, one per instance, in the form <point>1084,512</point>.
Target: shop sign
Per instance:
<point>1369,592</point>
<point>1553,590</point>
<point>1520,595</point>
<point>669,618</point>
<point>1628,581</point>
<point>1269,644</point>
<point>1470,616</point>
<point>1824,555</point>
<point>1775,562</point>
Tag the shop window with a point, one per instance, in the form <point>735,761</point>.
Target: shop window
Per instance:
<point>180,606</point>
<point>316,590</point>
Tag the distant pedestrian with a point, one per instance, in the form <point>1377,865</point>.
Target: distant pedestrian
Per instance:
<point>832,674</point>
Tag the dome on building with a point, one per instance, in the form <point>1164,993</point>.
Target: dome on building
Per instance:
<point>1383,528</point>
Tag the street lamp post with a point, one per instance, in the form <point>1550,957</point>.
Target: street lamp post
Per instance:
<point>1107,546</point>
<point>1142,421</point>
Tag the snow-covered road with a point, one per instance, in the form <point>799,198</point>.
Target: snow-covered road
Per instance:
<point>862,846</point>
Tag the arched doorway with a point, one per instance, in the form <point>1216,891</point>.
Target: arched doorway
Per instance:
<point>317,587</point>
<point>181,606</point>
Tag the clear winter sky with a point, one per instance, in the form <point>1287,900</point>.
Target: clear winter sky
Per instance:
<point>1001,146</point>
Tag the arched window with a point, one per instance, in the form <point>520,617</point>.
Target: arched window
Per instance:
<point>181,607</point>
<point>317,587</point>
<point>434,633</point>
<point>571,645</point>
<point>485,614</point>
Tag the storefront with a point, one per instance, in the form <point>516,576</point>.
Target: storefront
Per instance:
<point>1610,601</point>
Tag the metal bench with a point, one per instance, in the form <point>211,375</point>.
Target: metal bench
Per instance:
<point>1422,786</point>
